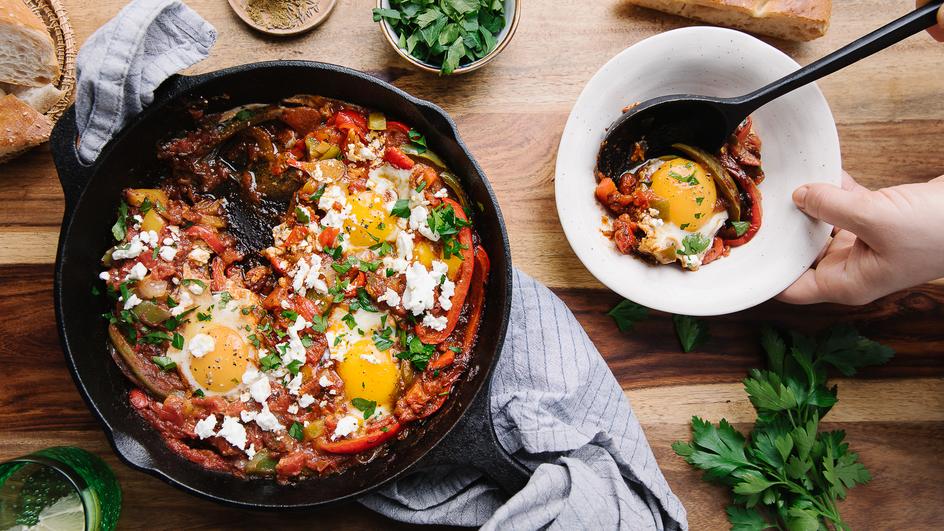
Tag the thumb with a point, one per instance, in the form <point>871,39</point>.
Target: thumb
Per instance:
<point>846,209</point>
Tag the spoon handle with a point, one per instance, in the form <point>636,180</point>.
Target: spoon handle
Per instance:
<point>920,19</point>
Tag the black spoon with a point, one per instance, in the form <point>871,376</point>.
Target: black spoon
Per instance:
<point>707,122</point>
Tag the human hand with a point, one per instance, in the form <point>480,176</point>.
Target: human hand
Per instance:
<point>937,31</point>
<point>883,241</point>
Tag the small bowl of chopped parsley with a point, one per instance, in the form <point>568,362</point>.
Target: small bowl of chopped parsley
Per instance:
<point>448,36</point>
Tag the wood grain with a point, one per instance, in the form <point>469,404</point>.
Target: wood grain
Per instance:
<point>511,115</point>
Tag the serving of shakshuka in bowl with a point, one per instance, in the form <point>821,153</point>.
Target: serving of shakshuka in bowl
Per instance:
<point>687,231</point>
<point>303,358</point>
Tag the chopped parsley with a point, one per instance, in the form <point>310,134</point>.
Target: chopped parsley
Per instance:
<point>119,229</point>
<point>296,431</point>
<point>319,323</point>
<point>270,362</point>
<point>382,248</point>
<point>382,338</point>
<point>301,215</point>
<point>367,407</point>
<point>418,353</point>
<point>294,366</point>
<point>290,315</point>
<point>694,244</point>
<point>740,227</point>
<point>318,193</point>
<point>164,362</point>
<point>401,208</point>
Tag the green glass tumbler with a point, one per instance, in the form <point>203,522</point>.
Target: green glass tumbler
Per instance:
<point>60,488</point>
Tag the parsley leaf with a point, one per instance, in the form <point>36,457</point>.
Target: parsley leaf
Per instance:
<point>164,362</point>
<point>301,215</point>
<point>693,243</point>
<point>296,431</point>
<point>270,361</point>
<point>418,353</point>
<point>119,229</point>
<point>367,407</point>
<point>627,313</point>
<point>740,227</point>
<point>401,208</point>
<point>691,332</point>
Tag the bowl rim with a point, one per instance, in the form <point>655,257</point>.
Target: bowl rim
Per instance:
<point>389,35</point>
<point>576,239</point>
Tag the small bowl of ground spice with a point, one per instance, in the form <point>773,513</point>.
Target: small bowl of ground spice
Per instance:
<point>282,17</point>
<point>448,37</point>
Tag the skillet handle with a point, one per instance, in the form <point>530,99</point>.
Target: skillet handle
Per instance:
<point>472,442</point>
<point>74,174</point>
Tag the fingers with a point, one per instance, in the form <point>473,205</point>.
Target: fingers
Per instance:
<point>937,31</point>
<point>846,209</point>
<point>804,291</point>
<point>850,184</point>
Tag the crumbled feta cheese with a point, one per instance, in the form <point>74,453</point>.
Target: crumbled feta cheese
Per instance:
<point>335,218</point>
<point>267,421</point>
<point>390,297</point>
<point>295,384</point>
<point>245,396</point>
<point>206,427</point>
<point>332,194</point>
<point>447,290</point>
<point>149,238</point>
<point>233,432</point>
<point>138,218</point>
<point>441,193</point>
<point>247,416</point>
<point>346,426</point>
<point>324,381</point>
<point>419,222</point>
<point>182,305</point>
<point>251,451</point>
<point>195,288</point>
<point>405,245</point>
<point>292,409</point>
<point>305,276</point>
<point>137,272</point>
<point>168,241</point>
<point>132,249</point>
<point>370,358</point>
<point>132,301</point>
<point>199,255</point>
<point>306,400</point>
<point>436,323</point>
<point>419,293</point>
<point>295,350</point>
<point>168,253</point>
<point>201,345</point>
<point>104,276</point>
<point>260,389</point>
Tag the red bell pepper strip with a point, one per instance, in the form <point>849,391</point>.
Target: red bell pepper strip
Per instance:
<point>209,236</point>
<point>373,439</point>
<point>398,158</point>
<point>351,120</point>
<point>217,274</point>
<point>717,249</point>
<point>463,281</point>
<point>444,359</point>
<point>476,297</point>
<point>398,126</point>
<point>749,187</point>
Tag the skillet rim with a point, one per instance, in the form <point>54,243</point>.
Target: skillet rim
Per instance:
<point>173,89</point>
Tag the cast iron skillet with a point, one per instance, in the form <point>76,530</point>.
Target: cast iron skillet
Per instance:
<point>459,433</point>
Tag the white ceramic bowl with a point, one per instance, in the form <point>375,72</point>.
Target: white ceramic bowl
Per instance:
<point>800,145</point>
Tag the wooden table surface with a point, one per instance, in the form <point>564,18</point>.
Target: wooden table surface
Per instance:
<point>511,114</point>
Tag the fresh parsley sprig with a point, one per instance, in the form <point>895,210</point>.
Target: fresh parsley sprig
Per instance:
<point>786,474</point>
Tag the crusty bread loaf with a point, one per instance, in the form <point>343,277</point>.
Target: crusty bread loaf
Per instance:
<point>27,52</point>
<point>795,20</point>
<point>40,98</point>
<point>21,127</point>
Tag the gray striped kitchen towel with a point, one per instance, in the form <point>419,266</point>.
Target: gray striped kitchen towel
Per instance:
<point>558,408</point>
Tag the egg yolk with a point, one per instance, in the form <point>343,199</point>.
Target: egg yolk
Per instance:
<point>424,253</point>
<point>222,368</point>
<point>369,222</point>
<point>687,191</point>
<point>369,373</point>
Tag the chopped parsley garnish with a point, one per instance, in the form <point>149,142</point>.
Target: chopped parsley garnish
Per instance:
<point>291,315</point>
<point>171,303</point>
<point>401,208</point>
<point>119,229</point>
<point>369,266</point>
<point>418,353</point>
<point>349,321</point>
<point>254,339</point>
<point>204,316</point>
<point>319,323</point>
<point>382,248</point>
<point>698,200</point>
<point>318,193</point>
<point>296,431</point>
<point>294,366</point>
<point>337,291</point>
<point>367,407</point>
<point>686,179</point>
<point>164,362</point>
<point>177,341</point>
<point>270,362</point>
<point>740,227</point>
<point>382,338</point>
<point>194,281</point>
<point>390,272</point>
<point>363,302</point>
<point>419,144</point>
<point>345,266</point>
<point>452,247</point>
<point>333,252</point>
<point>199,393</point>
<point>420,187</point>
<point>154,338</point>
<point>694,244</point>
<point>225,297</point>
<point>301,215</point>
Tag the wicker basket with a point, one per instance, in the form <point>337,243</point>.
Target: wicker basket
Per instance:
<point>56,20</point>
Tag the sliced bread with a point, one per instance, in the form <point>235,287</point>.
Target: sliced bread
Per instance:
<point>27,52</point>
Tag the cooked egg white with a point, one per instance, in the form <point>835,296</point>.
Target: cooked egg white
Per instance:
<point>217,350</point>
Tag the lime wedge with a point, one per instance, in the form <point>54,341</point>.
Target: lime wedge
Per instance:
<point>66,514</point>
